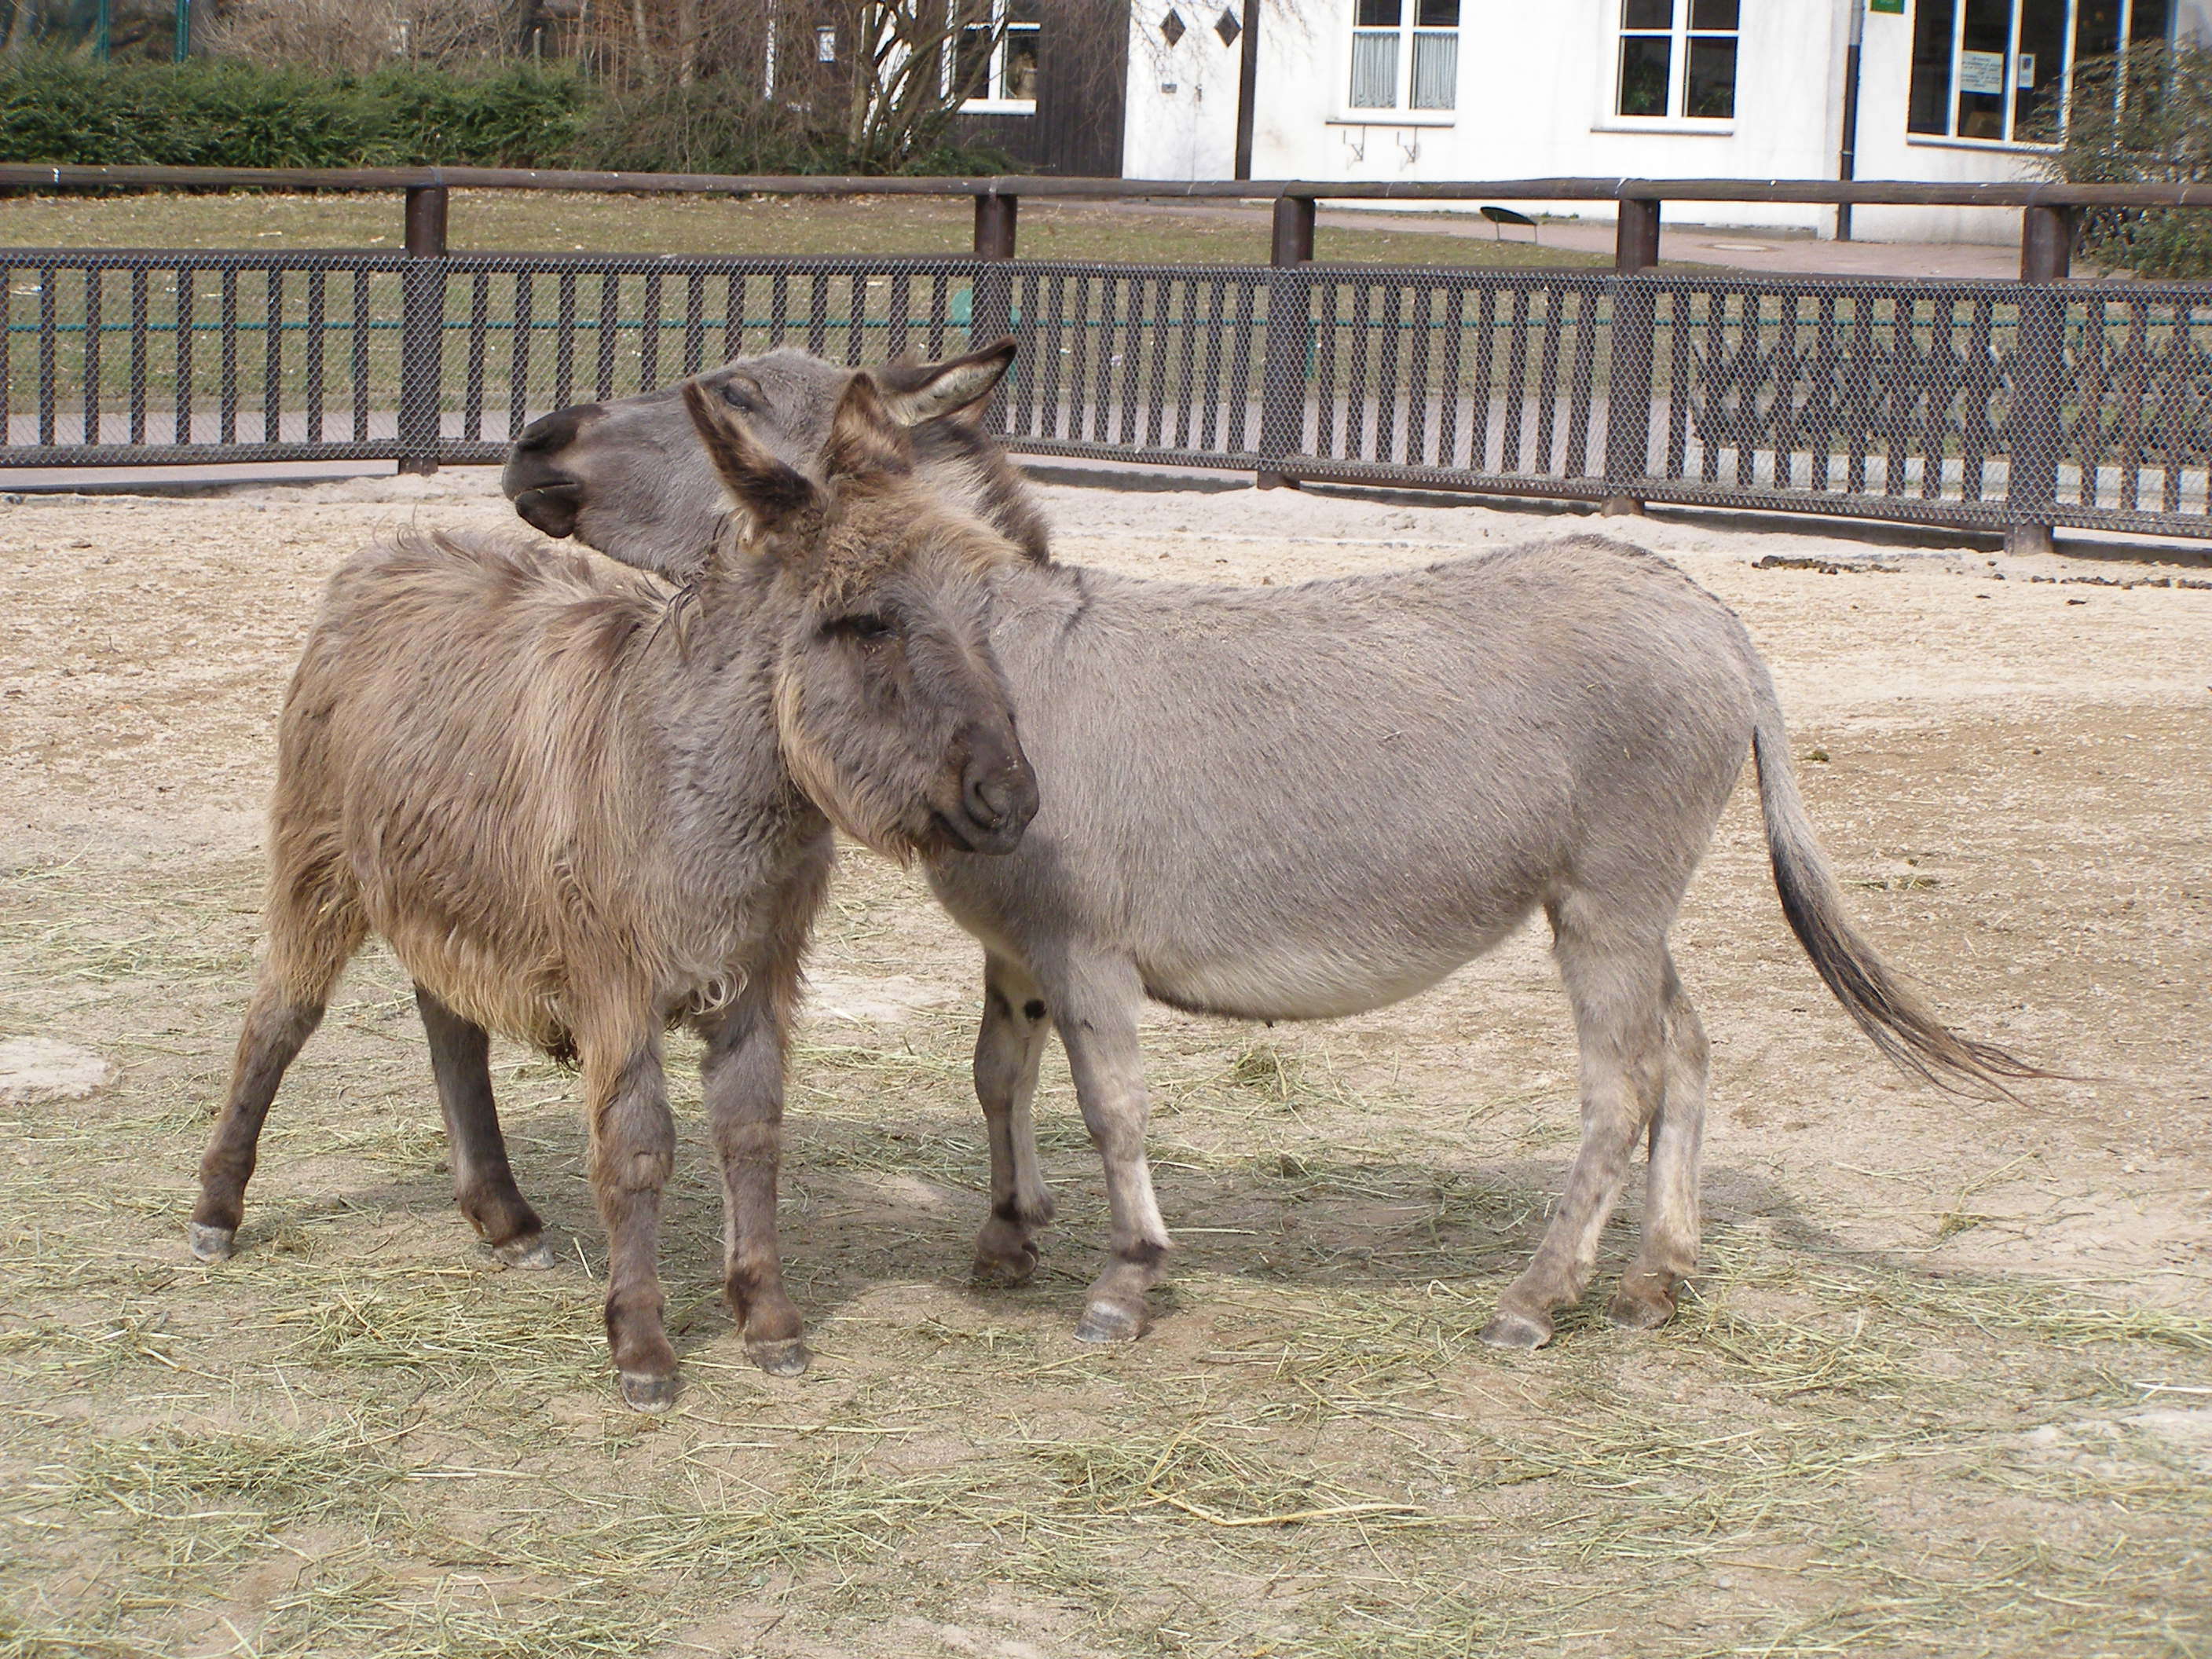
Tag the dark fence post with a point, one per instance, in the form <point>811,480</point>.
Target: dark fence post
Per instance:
<point>991,307</point>
<point>423,329</point>
<point>1634,339</point>
<point>2036,430</point>
<point>1289,340</point>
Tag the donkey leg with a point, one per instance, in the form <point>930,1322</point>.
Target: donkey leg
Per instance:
<point>1669,1254</point>
<point>312,934</point>
<point>483,1183</point>
<point>1616,981</point>
<point>633,1149</point>
<point>743,1074</point>
<point>1008,1049</point>
<point>1096,1016</point>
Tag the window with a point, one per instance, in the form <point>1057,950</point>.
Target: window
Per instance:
<point>1678,59</point>
<point>2002,70</point>
<point>1405,54</point>
<point>996,53</point>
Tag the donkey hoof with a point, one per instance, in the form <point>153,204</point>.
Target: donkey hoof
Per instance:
<point>1102,1321</point>
<point>530,1252</point>
<point>785,1358</point>
<point>642,1391</point>
<point>1005,1272</point>
<point>1641,1307</point>
<point>211,1244</point>
<point>1526,1332</point>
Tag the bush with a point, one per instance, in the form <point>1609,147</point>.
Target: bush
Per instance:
<point>721,124</point>
<point>69,110</point>
<point>2146,119</point>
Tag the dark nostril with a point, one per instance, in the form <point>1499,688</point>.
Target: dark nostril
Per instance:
<point>988,799</point>
<point>553,431</point>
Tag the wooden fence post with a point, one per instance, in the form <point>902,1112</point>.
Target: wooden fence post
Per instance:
<point>2036,430</point>
<point>1289,340</point>
<point>423,328</point>
<point>1632,347</point>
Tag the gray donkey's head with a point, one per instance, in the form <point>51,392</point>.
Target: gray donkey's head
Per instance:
<point>890,710</point>
<point>629,478</point>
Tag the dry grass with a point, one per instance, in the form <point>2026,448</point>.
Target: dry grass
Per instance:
<point>362,1438</point>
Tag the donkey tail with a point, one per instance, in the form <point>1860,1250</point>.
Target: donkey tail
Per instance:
<point>1897,1023</point>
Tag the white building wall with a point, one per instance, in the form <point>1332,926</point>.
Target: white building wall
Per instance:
<point>1536,83</point>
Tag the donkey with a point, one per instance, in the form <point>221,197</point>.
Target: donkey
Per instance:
<point>581,811</point>
<point>1296,803</point>
<point>627,477</point>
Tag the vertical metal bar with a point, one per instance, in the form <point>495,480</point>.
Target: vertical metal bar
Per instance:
<point>517,370</point>
<point>1981,388</point>
<point>1053,344</point>
<point>779,309</point>
<point>1581,383</point>
<point>1896,390</point>
<point>7,355</point>
<point>91,357</point>
<point>609,333</point>
<point>1455,327</point>
<point>817,313</point>
<point>318,302</point>
<point>1547,379</point>
<point>1825,382</point>
<point>473,381</point>
<point>1324,369</point>
<point>2134,379</point>
<point>361,357</point>
<point>422,331</point>
<point>226,385</point>
<point>1716,431</point>
<point>1238,437</point>
<point>1289,340</point>
<point>695,325</point>
<point>897,317</point>
<point>564,340</point>
<point>138,365</point>
<point>1753,312</point>
<point>185,307</point>
<point>272,356</point>
<point>1680,369</point>
<point>1517,381</point>
<point>1133,357</point>
<point>1186,392</point>
<point>49,338</point>
<point>856,321</point>
<point>1422,303</point>
<point>1212,414</point>
<point>733,317</point>
<point>648,335</point>
<point>940,308</point>
<point>1486,354</point>
<point>1356,379</point>
<point>1942,381</point>
<point>1389,338</point>
<point>1857,372</point>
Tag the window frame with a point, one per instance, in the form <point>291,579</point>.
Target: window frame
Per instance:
<point>1680,34</point>
<point>2011,139</point>
<point>1401,111</point>
<point>993,99</point>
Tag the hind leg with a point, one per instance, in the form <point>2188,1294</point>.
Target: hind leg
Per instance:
<point>1008,1048</point>
<point>312,934</point>
<point>1616,976</point>
<point>483,1183</point>
<point>1669,1254</point>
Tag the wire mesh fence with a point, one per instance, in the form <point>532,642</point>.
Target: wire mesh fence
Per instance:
<point>1969,402</point>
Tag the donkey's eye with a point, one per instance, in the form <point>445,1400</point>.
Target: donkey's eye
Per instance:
<point>867,626</point>
<point>740,396</point>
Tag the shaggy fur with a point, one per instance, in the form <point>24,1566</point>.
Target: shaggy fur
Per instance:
<point>577,825</point>
<point>1295,803</point>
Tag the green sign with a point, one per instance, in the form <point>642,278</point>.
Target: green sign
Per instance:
<point>1896,8</point>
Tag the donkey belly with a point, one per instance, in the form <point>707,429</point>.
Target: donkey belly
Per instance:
<point>1304,978</point>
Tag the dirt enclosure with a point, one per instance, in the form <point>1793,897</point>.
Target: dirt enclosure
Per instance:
<point>1945,1386</point>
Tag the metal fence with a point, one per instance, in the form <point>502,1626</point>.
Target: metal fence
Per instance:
<point>1997,404</point>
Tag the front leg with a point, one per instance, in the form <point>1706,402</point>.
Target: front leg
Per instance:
<point>632,1149</point>
<point>1096,1011</point>
<point>743,1075</point>
<point>1008,1047</point>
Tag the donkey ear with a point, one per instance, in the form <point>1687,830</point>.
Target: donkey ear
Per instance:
<point>863,436</point>
<point>915,393</point>
<point>764,486</point>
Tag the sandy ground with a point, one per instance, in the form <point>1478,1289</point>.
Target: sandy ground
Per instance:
<point>1948,1387</point>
